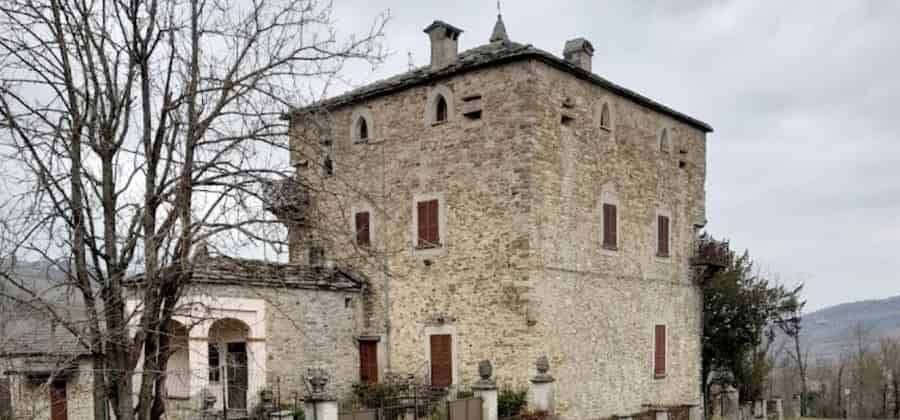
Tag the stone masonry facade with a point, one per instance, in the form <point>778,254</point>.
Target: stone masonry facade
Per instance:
<point>521,168</point>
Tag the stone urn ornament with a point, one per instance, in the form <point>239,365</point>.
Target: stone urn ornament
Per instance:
<point>317,379</point>
<point>543,367</point>
<point>485,371</point>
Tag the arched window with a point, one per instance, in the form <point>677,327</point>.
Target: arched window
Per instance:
<point>440,109</point>
<point>328,166</point>
<point>604,116</point>
<point>363,129</point>
<point>664,141</point>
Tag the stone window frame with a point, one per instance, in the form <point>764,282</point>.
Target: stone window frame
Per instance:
<point>609,196</point>
<point>664,141</point>
<point>663,211</point>
<point>605,103</point>
<point>668,351</point>
<point>442,224</point>
<point>363,208</point>
<point>444,329</point>
<point>431,105</point>
<point>362,114</point>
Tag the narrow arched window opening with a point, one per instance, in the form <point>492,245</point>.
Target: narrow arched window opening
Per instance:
<point>664,141</point>
<point>363,129</point>
<point>604,116</point>
<point>328,166</point>
<point>440,109</point>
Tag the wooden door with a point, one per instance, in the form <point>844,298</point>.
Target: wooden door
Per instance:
<point>441,361</point>
<point>368,362</point>
<point>58,404</point>
<point>237,375</point>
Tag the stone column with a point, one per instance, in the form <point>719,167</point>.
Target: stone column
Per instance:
<point>486,389</point>
<point>779,409</point>
<point>731,408</point>
<point>794,406</point>
<point>759,409</point>
<point>319,405</point>
<point>661,414</point>
<point>542,398</point>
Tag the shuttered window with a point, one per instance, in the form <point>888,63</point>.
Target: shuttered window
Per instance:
<point>659,356</point>
<point>441,361</point>
<point>429,235</point>
<point>368,362</point>
<point>610,234</point>
<point>363,235</point>
<point>662,236</point>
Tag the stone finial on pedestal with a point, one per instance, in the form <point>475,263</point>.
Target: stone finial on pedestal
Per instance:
<point>486,389</point>
<point>542,398</point>
<point>319,405</point>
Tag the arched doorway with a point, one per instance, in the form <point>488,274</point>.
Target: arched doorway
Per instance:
<point>228,360</point>
<point>178,374</point>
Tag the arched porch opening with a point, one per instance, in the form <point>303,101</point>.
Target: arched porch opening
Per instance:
<point>227,360</point>
<point>178,373</point>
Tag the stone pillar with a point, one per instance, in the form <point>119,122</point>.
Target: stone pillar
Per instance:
<point>759,409</point>
<point>542,398</point>
<point>731,407</point>
<point>486,389</point>
<point>779,409</point>
<point>794,406</point>
<point>661,414</point>
<point>746,411</point>
<point>319,405</point>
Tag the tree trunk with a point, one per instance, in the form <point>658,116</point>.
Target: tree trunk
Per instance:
<point>896,381</point>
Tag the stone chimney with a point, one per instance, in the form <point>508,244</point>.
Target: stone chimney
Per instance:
<point>579,52</point>
<point>444,43</point>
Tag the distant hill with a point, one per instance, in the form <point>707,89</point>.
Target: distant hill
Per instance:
<point>827,332</point>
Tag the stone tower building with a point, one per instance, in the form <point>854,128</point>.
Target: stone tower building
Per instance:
<point>505,204</point>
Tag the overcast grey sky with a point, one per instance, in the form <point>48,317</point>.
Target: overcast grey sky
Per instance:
<point>803,166</point>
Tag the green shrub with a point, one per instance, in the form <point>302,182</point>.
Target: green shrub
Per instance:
<point>380,394</point>
<point>461,395</point>
<point>511,402</point>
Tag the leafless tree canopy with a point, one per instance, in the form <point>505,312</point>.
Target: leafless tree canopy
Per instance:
<point>134,130</point>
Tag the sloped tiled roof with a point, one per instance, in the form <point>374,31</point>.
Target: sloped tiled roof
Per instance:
<point>32,333</point>
<point>492,54</point>
<point>246,272</point>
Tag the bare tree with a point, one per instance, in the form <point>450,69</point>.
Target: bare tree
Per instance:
<point>138,130</point>
<point>890,360</point>
<point>792,325</point>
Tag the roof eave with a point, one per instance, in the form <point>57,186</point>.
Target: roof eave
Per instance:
<point>543,56</point>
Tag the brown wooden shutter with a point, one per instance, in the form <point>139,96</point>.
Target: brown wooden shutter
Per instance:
<point>441,361</point>
<point>368,362</point>
<point>610,235</point>
<point>58,401</point>
<point>659,358</point>
<point>662,236</point>
<point>429,235</point>
<point>362,229</point>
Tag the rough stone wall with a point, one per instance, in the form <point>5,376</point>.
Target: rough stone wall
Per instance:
<point>520,273</point>
<point>31,399</point>
<point>479,169</point>
<point>597,308</point>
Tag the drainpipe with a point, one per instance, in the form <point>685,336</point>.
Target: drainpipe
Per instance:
<point>387,278</point>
